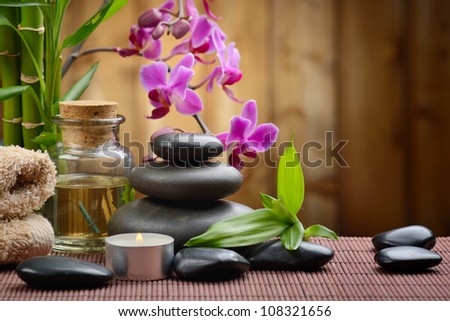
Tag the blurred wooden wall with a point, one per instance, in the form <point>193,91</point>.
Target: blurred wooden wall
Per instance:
<point>375,73</point>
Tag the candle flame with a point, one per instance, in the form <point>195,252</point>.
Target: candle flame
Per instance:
<point>139,237</point>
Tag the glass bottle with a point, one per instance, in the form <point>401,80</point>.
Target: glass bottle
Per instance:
<point>92,167</point>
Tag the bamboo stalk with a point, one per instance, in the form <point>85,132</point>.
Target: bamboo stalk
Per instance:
<point>32,29</point>
<point>53,23</point>
<point>10,75</point>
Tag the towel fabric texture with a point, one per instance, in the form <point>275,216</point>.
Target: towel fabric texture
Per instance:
<point>24,238</point>
<point>27,180</point>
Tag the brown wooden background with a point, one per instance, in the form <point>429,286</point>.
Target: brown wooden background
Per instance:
<point>375,73</point>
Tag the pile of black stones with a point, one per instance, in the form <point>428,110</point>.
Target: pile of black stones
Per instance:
<point>406,249</point>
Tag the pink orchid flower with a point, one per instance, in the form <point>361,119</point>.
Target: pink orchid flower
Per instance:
<point>163,93</point>
<point>141,41</point>
<point>208,10</point>
<point>200,40</point>
<point>228,73</point>
<point>246,137</point>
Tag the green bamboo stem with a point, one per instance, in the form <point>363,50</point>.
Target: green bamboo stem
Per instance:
<point>51,56</point>
<point>10,75</point>
<point>53,22</point>
<point>31,28</point>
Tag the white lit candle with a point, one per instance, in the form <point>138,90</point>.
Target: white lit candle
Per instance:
<point>141,256</point>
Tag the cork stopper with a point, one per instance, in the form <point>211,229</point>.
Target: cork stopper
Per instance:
<point>88,109</point>
<point>87,135</point>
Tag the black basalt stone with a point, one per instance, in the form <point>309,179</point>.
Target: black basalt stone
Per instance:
<point>190,148</point>
<point>162,180</point>
<point>209,264</point>
<point>54,272</point>
<point>272,255</point>
<point>413,235</point>
<point>407,258</point>
<point>181,220</point>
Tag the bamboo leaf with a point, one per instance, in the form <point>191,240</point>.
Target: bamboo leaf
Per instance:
<point>9,92</point>
<point>81,85</point>
<point>89,26</point>
<point>290,181</point>
<point>23,3</point>
<point>247,229</point>
<point>45,138</point>
<point>318,230</point>
<point>292,237</point>
<point>267,200</point>
<point>5,22</point>
<point>280,208</point>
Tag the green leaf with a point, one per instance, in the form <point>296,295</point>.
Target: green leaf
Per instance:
<point>9,92</point>
<point>247,229</point>
<point>45,138</point>
<point>23,3</point>
<point>290,181</point>
<point>5,22</point>
<point>318,230</point>
<point>12,91</point>
<point>292,237</point>
<point>266,200</point>
<point>81,85</point>
<point>280,208</point>
<point>89,26</point>
<point>78,88</point>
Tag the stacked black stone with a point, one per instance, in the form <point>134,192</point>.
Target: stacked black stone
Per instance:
<point>185,190</point>
<point>406,249</point>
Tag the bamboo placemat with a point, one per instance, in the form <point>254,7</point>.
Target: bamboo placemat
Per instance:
<point>351,275</point>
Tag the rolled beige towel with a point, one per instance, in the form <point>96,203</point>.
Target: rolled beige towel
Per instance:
<point>27,180</point>
<point>24,238</point>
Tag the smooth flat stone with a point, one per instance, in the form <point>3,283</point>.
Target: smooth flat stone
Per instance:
<point>210,181</point>
<point>62,272</point>
<point>413,235</point>
<point>181,220</point>
<point>192,148</point>
<point>209,264</point>
<point>272,255</point>
<point>407,258</point>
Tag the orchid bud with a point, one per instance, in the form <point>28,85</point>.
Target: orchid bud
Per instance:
<point>180,28</point>
<point>150,18</point>
<point>158,32</point>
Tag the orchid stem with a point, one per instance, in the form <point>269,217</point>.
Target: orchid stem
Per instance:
<point>76,54</point>
<point>181,8</point>
<point>202,124</point>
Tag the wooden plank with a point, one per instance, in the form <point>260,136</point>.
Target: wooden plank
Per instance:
<point>304,87</point>
<point>372,116</point>
<point>430,114</point>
